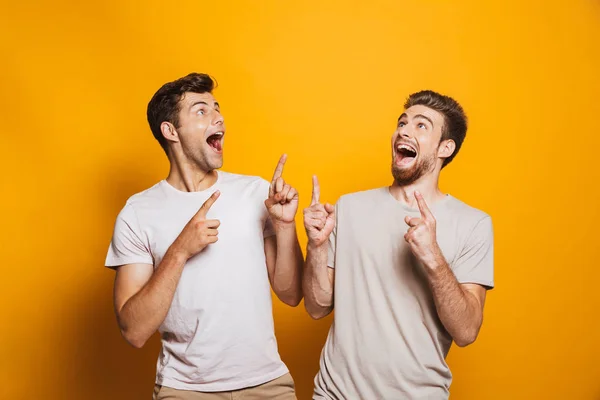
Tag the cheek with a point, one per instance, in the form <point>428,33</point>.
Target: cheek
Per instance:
<point>426,144</point>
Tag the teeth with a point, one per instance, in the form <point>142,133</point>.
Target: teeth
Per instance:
<point>407,147</point>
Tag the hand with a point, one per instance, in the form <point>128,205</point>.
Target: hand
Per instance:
<point>199,232</point>
<point>282,203</point>
<point>421,235</point>
<point>319,219</point>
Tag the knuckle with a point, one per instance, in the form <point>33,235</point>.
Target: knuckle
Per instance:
<point>198,224</point>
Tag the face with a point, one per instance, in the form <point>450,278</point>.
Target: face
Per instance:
<point>201,130</point>
<point>416,147</point>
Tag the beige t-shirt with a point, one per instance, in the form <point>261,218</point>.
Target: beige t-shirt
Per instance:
<point>386,340</point>
<point>218,334</point>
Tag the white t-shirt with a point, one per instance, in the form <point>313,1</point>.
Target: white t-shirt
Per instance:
<point>218,334</point>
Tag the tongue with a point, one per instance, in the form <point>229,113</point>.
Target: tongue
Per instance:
<point>404,159</point>
<point>215,143</point>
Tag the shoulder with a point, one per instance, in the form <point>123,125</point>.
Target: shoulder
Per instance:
<point>466,212</point>
<point>471,223</point>
<point>151,196</point>
<point>244,185</point>
<point>240,179</point>
<point>364,198</point>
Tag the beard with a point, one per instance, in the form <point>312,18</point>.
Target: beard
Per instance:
<point>406,176</point>
<point>204,159</point>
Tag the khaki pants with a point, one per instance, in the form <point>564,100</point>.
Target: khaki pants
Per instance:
<point>281,388</point>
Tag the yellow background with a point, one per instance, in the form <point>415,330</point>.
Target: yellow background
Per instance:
<point>325,82</point>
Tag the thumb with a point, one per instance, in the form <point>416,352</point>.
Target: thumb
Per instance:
<point>269,202</point>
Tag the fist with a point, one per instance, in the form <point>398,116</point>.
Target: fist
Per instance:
<point>282,203</point>
<point>199,232</point>
<point>319,219</point>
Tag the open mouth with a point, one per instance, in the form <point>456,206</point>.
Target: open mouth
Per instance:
<point>215,141</point>
<point>405,154</point>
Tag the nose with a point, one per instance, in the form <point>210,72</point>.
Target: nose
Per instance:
<point>217,118</point>
<point>403,132</point>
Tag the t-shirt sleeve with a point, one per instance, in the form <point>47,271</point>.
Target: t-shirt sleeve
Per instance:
<point>268,229</point>
<point>127,246</point>
<point>332,241</point>
<point>475,264</point>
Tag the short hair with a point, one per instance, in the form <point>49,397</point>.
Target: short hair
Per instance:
<point>165,104</point>
<point>455,119</point>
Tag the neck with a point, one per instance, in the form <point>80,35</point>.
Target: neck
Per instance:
<point>187,176</point>
<point>427,185</point>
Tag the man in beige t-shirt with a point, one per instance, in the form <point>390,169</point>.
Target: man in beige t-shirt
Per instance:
<point>407,268</point>
<point>196,256</point>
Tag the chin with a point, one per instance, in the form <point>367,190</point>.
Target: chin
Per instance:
<point>405,175</point>
<point>216,164</point>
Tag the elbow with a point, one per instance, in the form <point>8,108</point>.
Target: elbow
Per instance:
<point>466,338</point>
<point>317,313</point>
<point>292,301</point>
<point>134,340</point>
<point>463,342</point>
<point>291,297</point>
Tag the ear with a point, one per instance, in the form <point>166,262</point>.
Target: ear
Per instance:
<point>446,148</point>
<point>169,132</point>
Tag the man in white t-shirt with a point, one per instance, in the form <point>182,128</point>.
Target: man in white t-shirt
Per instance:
<point>405,266</point>
<point>197,254</point>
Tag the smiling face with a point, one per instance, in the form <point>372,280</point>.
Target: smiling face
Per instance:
<point>200,131</point>
<point>417,149</point>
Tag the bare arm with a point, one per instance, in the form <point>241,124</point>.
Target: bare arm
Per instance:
<point>459,306</point>
<point>143,296</point>
<point>282,251</point>
<point>284,264</point>
<point>318,281</point>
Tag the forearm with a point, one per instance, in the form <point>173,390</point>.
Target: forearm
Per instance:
<point>457,308</point>
<point>317,284</point>
<point>287,276</point>
<point>143,313</point>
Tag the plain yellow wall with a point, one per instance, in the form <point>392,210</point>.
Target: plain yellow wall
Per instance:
<point>325,82</point>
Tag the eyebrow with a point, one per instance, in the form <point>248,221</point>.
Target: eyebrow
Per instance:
<point>404,115</point>
<point>424,117</point>
<point>217,105</point>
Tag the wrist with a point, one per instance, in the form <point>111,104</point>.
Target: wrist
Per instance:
<point>314,246</point>
<point>279,225</point>
<point>435,262</point>
<point>177,253</point>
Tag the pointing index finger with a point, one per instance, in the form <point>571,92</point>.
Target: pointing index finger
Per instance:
<point>279,168</point>
<point>208,204</point>
<point>425,212</point>
<point>316,193</point>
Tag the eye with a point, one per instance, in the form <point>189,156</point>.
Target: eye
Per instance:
<point>200,112</point>
<point>422,125</point>
<point>401,124</point>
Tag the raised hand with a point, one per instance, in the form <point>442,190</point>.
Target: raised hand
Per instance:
<point>199,232</point>
<point>319,219</point>
<point>421,234</point>
<point>282,203</point>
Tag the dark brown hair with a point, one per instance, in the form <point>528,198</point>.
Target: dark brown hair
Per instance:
<point>164,105</point>
<point>455,120</point>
